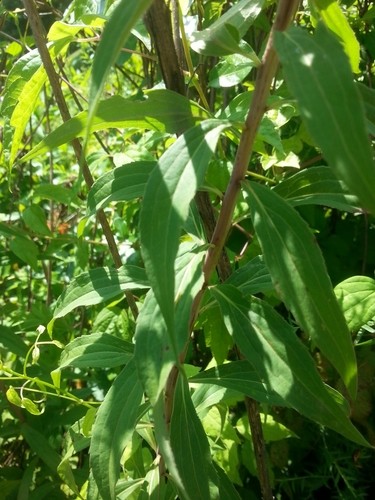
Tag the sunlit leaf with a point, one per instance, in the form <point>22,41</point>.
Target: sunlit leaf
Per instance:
<point>252,278</point>
<point>318,74</point>
<point>356,296</point>
<point>300,277</point>
<point>113,429</point>
<point>282,362</point>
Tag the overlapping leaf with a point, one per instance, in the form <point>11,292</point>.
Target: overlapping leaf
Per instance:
<point>356,296</point>
<point>169,191</point>
<point>283,364</point>
<point>319,75</point>
<point>300,277</point>
<point>113,429</point>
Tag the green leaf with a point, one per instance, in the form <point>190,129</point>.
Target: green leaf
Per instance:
<point>161,110</point>
<point>252,278</point>
<point>13,397</point>
<point>356,296</point>
<point>154,354</point>
<point>336,21</point>
<point>97,350</point>
<point>317,186</point>
<point>41,447</point>
<point>113,429</point>
<point>368,98</point>
<point>283,363</point>
<point>97,286</point>
<point>56,193</point>
<point>230,72</point>
<point>123,18</point>
<point>120,184</point>
<point>13,342</point>
<point>189,443</point>
<point>223,36</point>
<point>35,218</point>
<point>169,191</point>
<point>318,74</point>
<point>239,376</point>
<point>300,277</point>
<point>26,250</point>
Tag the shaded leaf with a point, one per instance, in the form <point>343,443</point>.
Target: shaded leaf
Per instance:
<point>356,296</point>
<point>283,363</point>
<point>120,184</point>
<point>169,191</point>
<point>41,447</point>
<point>252,278</point>
<point>300,277</point>
<point>318,73</point>
<point>113,429</point>
<point>35,218</point>
<point>318,186</point>
<point>26,250</point>
<point>97,350</point>
<point>239,376</point>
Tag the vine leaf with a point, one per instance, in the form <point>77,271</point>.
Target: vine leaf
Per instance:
<point>318,73</point>
<point>300,277</point>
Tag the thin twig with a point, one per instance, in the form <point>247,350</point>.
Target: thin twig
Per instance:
<point>40,41</point>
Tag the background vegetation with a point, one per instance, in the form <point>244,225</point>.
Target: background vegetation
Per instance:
<point>186,249</point>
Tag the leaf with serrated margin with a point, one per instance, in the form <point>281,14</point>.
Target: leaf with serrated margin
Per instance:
<point>283,363</point>
<point>113,429</point>
<point>161,110</point>
<point>170,189</point>
<point>117,30</point>
<point>300,277</point>
<point>97,286</point>
<point>356,296</point>
<point>120,184</point>
<point>318,73</point>
<point>317,186</point>
<point>97,350</point>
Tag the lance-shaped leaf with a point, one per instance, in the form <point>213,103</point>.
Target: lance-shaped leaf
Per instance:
<point>223,36</point>
<point>300,277</point>
<point>120,184</point>
<point>123,18</point>
<point>252,278</point>
<point>317,186</point>
<point>113,429</point>
<point>169,191</point>
<point>98,285</point>
<point>98,350</point>
<point>356,295</point>
<point>283,363</point>
<point>319,75</point>
<point>190,445</point>
<point>162,110</point>
<point>242,377</point>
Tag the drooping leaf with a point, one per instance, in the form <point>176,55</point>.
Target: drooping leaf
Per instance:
<point>239,376</point>
<point>283,363</point>
<point>356,296</point>
<point>99,285</point>
<point>223,36</point>
<point>189,444</point>
<point>252,278</point>
<point>113,429</point>
<point>336,21</point>
<point>41,447</point>
<point>123,18</point>
<point>318,186</point>
<point>169,191</point>
<point>120,184</point>
<point>162,110</point>
<point>300,277</point>
<point>154,354</point>
<point>35,218</point>
<point>97,350</point>
<point>319,75</point>
<point>26,250</point>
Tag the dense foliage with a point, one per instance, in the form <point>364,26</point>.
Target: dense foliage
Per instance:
<point>186,249</point>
